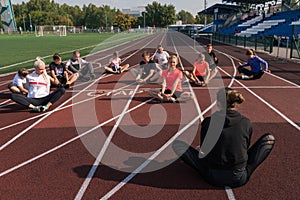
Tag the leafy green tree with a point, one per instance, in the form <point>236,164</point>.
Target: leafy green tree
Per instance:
<point>186,17</point>
<point>47,12</point>
<point>124,21</point>
<point>159,15</point>
<point>92,16</point>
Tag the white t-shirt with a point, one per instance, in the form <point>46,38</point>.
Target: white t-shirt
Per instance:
<point>115,62</point>
<point>18,81</point>
<point>77,64</point>
<point>38,86</point>
<point>162,57</point>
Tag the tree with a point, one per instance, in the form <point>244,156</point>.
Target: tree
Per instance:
<point>92,16</point>
<point>186,17</point>
<point>47,12</point>
<point>158,15</point>
<point>124,21</point>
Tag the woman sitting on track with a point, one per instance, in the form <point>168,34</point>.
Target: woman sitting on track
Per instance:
<point>229,162</point>
<point>114,65</point>
<point>201,72</point>
<point>254,62</point>
<point>148,71</point>
<point>171,87</point>
<point>39,98</point>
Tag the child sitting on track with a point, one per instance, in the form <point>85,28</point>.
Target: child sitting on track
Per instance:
<point>114,65</point>
<point>60,74</point>
<point>215,61</point>
<point>161,57</point>
<point>19,84</point>
<point>80,66</point>
<point>201,73</point>
<point>148,71</point>
<point>171,89</point>
<point>256,70</point>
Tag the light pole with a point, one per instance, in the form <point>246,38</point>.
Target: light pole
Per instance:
<point>205,17</point>
<point>67,20</point>
<point>144,22</point>
<point>30,22</point>
<point>24,24</point>
<point>105,21</point>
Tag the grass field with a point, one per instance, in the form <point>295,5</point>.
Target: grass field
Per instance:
<point>20,50</point>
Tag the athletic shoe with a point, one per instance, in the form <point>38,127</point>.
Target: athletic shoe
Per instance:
<point>199,84</point>
<point>43,108</point>
<point>172,99</point>
<point>37,109</point>
<point>244,77</point>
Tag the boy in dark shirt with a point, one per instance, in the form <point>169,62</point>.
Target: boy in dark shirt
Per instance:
<point>59,72</point>
<point>149,71</point>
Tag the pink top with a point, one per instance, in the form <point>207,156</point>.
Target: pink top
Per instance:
<point>114,62</point>
<point>171,77</point>
<point>201,68</point>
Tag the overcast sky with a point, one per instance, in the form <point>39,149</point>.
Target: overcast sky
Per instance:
<point>193,6</point>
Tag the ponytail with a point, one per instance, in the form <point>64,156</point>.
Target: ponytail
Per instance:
<point>231,97</point>
<point>38,62</point>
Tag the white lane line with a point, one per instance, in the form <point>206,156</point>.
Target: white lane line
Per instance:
<point>103,150</point>
<point>268,104</point>
<point>95,45</point>
<point>44,117</point>
<point>41,119</point>
<point>6,82</point>
<point>229,193</point>
<point>3,104</point>
<point>190,87</point>
<point>278,77</point>
<point>143,165</point>
<point>61,108</point>
<point>154,155</point>
<point>69,141</point>
<point>92,171</point>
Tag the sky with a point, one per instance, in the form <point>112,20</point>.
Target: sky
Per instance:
<point>192,6</point>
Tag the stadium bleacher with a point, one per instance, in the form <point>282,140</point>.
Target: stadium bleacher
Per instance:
<point>279,25</point>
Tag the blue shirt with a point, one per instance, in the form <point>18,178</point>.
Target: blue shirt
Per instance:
<point>255,64</point>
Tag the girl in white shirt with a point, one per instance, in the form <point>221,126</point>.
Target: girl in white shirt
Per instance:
<point>39,98</point>
<point>161,57</point>
<point>114,65</point>
<point>19,84</point>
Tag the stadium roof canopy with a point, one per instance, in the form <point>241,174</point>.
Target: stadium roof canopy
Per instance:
<point>246,1</point>
<point>223,7</point>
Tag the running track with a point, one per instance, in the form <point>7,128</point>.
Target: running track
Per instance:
<point>108,139</point>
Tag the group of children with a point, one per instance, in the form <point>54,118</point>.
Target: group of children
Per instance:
<point>228,163</point>
<point>32,90</point>
<point>162,69</point>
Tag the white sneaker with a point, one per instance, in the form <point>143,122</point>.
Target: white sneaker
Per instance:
<point>244,77</point>
<point>172,99</point>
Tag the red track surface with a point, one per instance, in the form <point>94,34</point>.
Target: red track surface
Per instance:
<point>45,158</point>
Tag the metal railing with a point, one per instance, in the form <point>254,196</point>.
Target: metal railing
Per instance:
<point>264,43</point>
